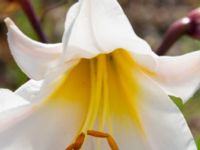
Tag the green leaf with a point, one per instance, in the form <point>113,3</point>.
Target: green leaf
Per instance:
<point>198,143</point>
<point>177,101</point>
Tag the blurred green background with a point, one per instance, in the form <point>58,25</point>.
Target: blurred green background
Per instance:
<point>150,19</point>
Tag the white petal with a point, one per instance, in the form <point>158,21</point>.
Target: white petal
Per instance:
<point>30,90</point>
<point>164,124</point>
<point>179,76</point>
<point>34,58</point>
<point>100,27</point>
<point>9,100</point>
<point>49,127</point>
<point>54,122</point>
<point>161,124</point>
<point>13,109</point>
<point>127,135</point>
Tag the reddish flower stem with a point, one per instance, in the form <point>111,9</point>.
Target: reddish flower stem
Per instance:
<point>175,31</point>
<point>29,11</point>
<point>190,26</point>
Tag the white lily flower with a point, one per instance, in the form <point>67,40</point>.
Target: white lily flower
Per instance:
<point>101,81</point>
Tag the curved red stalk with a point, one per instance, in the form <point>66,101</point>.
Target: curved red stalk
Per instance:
<point>29,11</point>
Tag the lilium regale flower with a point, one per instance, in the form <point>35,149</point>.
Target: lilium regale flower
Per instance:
<point>101,88</point>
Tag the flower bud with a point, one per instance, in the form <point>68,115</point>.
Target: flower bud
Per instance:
<point>194,17</point>
<point>189,25</point>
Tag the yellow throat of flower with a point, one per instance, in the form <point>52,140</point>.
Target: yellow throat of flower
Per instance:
<point>108,86</point>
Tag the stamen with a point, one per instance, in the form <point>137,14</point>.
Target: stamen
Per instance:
<point>96,88</point>
<point>105,116</point>
<point>110,140</point>
<point>78,143</point>
<point>97,134</point>
<point>70,147</point>
<point>112,143</point>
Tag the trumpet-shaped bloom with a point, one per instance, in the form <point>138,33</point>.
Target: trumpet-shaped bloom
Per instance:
<point>102,82</point>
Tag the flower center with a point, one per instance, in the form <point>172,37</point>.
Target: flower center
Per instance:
<point>105,91</point>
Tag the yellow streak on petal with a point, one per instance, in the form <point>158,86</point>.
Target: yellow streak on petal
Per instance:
<point>72,92</point>
<point>74,86</point>
<point>129,86</point>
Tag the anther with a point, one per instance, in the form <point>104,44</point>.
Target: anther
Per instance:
<point>78,143</point>
<point>112,143</point>
<point>97,134</point>
<point>70,147</point>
